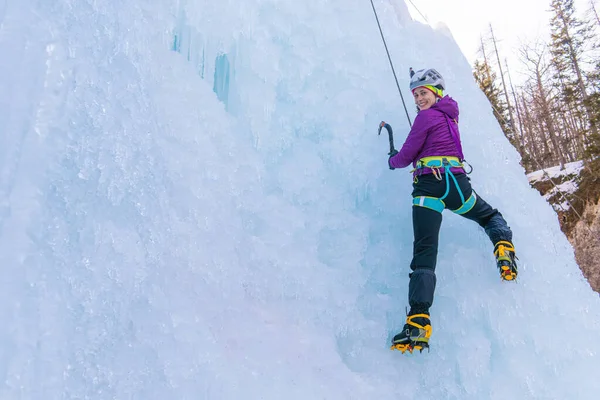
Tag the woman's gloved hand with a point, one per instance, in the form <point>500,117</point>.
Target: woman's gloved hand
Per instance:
<point>391,154</point>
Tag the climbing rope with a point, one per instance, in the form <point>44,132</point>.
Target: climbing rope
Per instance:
<point>419,11</point>
<point>391,63</point>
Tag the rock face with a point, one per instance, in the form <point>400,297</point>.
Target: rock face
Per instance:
<point>585,238</point>
<point>575,195</point>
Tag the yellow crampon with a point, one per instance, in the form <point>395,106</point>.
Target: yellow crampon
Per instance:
<point>508,270</point>
<point>416,342</point>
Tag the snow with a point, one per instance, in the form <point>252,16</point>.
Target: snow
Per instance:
<point>555,175</point>
<point>181,225</point>
<point>555,172</point>
<point>562,189</point>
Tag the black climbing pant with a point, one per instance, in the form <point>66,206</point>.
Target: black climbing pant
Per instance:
<point>426,227</point>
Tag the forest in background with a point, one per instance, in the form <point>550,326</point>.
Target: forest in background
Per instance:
<point>553,117</point>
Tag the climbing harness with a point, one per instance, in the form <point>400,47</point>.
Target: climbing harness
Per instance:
<point>436,163</point>
<point>391,63</point>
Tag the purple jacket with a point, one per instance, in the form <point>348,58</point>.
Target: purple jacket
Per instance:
<point>434,133</point>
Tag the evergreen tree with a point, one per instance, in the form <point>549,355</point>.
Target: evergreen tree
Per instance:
<point>486,78</point>
<point>593,86</point>
<point>569,37</point>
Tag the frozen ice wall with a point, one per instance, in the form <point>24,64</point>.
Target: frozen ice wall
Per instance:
<point>194,204</point>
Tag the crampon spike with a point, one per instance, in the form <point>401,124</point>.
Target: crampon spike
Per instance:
<point>410,347</point>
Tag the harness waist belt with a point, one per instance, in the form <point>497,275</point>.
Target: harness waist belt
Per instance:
<point>439,162</point>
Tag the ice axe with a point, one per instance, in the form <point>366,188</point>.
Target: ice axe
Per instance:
<point>387,126</point>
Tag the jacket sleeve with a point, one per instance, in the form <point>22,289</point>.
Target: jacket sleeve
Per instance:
<point>413,144</point>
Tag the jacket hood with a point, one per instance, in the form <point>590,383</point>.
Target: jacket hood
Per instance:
<point>448,106</point>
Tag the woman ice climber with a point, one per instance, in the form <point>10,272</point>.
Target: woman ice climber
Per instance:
<point>433,147</point>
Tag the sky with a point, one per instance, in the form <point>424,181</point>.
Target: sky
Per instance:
<point>195,205</point>
<point>513,21</point>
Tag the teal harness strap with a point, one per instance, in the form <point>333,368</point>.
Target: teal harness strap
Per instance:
<point>437,204</point>
<point>433,203</point>
<point>447,186</point>
<point>448,172</point>
<point>467,205</point>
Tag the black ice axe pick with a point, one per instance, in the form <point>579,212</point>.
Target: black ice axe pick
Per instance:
<point>387,126</point>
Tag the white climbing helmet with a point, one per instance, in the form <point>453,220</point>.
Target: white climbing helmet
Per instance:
<point>426,77</point>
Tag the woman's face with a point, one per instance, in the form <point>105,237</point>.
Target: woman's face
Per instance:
<point>424,98</point>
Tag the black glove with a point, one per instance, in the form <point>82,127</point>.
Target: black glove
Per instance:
<point>392,154</point>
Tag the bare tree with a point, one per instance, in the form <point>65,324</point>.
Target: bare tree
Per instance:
<point>537,68</point>
<point>519,132</point>
<point>510,114</point>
